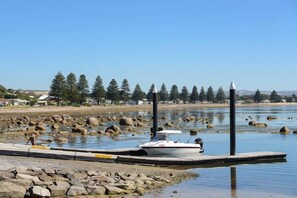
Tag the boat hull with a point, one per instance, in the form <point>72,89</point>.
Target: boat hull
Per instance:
<point>172,151</point>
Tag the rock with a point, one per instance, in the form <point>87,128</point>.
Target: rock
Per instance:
<point>44,177</point>
<point>260,125</point>
<point>9,189</point>
<point>112,190</point>
<point>6,175</point>
<point>113,129</point>
<point>96,190</point>
<point>40,127</point>
<point>252,123</point>
<point>57,118</point>
<point>126,121</point>
<point>271,118</point>
<point>55,127</point>
<point>67,118</point>
<point>38,191</point>
<point>27,177</point>
<point>76,191</point>
<point>49,171</point>
<point>62,184</point>
<point>284,130</point>
<point>168,124</point>
<point>210,126</point>
<point>193,132</point>
<point>92,121</point>
<point>58,190</point>
<point>81,130</point>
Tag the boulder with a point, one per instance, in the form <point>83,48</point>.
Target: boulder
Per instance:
<point>61,139</point>
<point>210,126</point>
<point>96,190</point>
<point>76,191</point>
<point>57,118</point>
<point>55,127</point>
<point>126,121</point>
<point>113,129</point>
<point>38,191</point>
<point>284,130</point>
<point>92,121</point>
<point>81,130</point>
<point>8,189</point>
<point>271,118</point>
<point>57,191</point>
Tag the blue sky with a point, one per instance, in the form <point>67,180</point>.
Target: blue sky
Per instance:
<point>187,43</point>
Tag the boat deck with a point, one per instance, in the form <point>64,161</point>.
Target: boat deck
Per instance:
<point>135,156</point>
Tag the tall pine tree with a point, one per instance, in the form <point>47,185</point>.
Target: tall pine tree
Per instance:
<point>210,95</point>
<point>194,97</point>
<point>202,95</point>
<point>125,91</point>
<point>257,96</point>
<point>163,93</point>
<point>184,96</point>
<point>112,92</point>
<point>220,96</point>
<point>98,91</point>
<point>174,94</point>
<point>72,89</point>
<point>83,88</point>
<point>58,87</point>
<point>138,94</point>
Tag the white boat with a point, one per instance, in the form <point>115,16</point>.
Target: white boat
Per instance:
<point>161,145</point>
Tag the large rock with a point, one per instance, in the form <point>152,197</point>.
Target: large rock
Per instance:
<point>113,129</point>
<point>76,191</point>
<point>58,190</point>
<point>92,121</point>
<point>96,190</point>
<point>57,118</point>
<point>80,130</point>
<point>38,191</point>
<point>112,190</point>
<point>8,189</point>
<point>126,121</point>
<point>285,130</point>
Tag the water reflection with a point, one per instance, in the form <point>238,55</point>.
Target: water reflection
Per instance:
<point>233,181</point>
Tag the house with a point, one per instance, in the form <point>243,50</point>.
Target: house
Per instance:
<point>19,102</point>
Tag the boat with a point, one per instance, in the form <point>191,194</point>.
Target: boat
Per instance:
<point>162,145</point>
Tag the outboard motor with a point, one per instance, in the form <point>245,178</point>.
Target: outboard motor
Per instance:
<point>199,141</point>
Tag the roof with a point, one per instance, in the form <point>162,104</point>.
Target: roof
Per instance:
<point>169,132</point>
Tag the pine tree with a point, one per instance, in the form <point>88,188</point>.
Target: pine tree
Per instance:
<point>257,96</point>
<point>163,94</point>
<point>210,95</point>
<point>174,94</point>
<point>184,96</point>
<point>58,87</point>
<point>125,91</point>
<point>202,96</point>
<point>72,89</point>
<point>149,95</point>
<point>83,88</point>
<point>113,91</point>
<point>98,91</point>
<point>194,95</point>
<point>274,97</point>
<point>138,94</point>
<point>220,96</point>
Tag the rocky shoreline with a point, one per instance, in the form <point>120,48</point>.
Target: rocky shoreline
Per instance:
<point>34,177</point>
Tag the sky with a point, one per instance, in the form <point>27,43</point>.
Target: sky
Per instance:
<point>181,42</point>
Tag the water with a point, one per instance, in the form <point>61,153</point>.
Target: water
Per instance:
<point>247,180</point>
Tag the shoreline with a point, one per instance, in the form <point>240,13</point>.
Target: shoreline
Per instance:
<point>83,110</point>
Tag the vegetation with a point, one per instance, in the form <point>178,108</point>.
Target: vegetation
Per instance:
<point>69,91</point>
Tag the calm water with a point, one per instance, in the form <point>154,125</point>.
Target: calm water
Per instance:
<point>248,180</point>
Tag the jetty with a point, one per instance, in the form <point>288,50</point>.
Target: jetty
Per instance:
<point>137,156</point>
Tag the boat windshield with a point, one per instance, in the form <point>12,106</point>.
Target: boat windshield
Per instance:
<point>160,137</point>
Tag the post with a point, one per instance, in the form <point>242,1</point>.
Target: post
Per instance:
<point>155,112</point>
<point>232,119</point>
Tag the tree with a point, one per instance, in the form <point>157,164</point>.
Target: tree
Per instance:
<point>294,97</point>
<point>58,87</point>
<point>163,93</point>
<point>72,89</point>
<point>220,96</point>
<point>125,91</point>
<point>202,96</point>
<point>138,94</point>
<point>210,95</point>
<point>83,88</point>
<point>194,97</point>
<point>149,95</point>
<point>98,91</point>
<point>184,96</point>
<point>274,97</point>
<point>257,96</point>
<point>174,94</point>
<point>113,91</point>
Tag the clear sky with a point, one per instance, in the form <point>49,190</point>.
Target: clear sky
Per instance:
<point>182,42</point>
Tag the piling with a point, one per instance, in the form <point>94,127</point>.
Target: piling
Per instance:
<point>232,119</point>
<point>155,112</point>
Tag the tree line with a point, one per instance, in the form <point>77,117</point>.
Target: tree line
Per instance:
<point>76,91</point>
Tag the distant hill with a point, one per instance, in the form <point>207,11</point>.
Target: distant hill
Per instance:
<point>282,93</point>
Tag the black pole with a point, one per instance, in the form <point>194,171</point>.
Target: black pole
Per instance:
<point>233,181</point>
<point>232,120</point>
<point>155,112</point>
